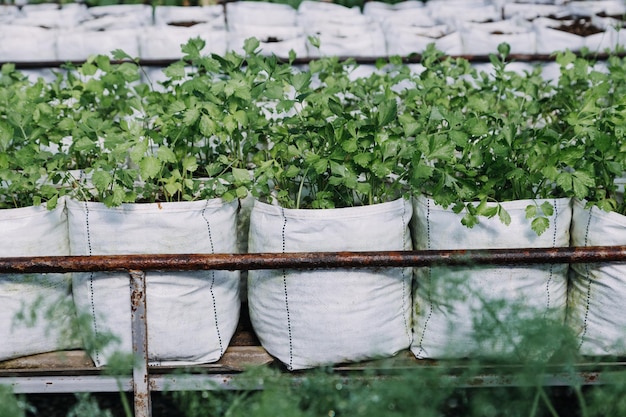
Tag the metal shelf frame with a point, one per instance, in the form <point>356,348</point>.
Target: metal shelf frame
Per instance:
<point>144,380</point>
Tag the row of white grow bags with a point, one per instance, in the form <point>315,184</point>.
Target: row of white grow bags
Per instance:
<point>73,32</point>
<point>308,318</point>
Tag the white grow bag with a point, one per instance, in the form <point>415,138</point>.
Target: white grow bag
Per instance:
<point>342,31</point>
<point>212,15</point>
<point>405,40</point>
<point>34,231</point>
<point>379,10</point>
<point>8,13</point>
<point>456,13</point>
<point>447,300</point>
<point>192,315</point>
<point>484,38</point>
<point>530,11</point>
<point>597,291</point>
<point>550,39</point>
<point>25,43</point>
<point>75,45</point>
<point>273,40</point>
<point>165,42</point>
<point>311,318</point>
<point>69,16</point>
<point>336,39</point>
<point>260,13</point>
<point>118,16</point>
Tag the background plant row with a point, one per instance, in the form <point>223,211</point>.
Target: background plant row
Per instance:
<point>226,126</point>
<point>47,33</point>
<point>294,3</point>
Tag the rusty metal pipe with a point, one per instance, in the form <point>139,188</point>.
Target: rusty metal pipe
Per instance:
<point>317,260</point>
<point>362,60</point>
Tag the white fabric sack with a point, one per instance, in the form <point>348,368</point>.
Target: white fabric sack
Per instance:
<point>319,9</point>
<point>450,44</point>
<point>619,38</point>
<point>308,318</point>
<point>280,48</point>
<point>165,42</point>
<point>457,13</point>
<point>26,43</point>
<point>609,39</point>
<point>404,40</point>
<point>557,2</point>
<point>123,16</point>
<point>182,15</point>
<point>277,40</point>
<point>337,40</point>
<point>192,315</point>
<point>78,46</point>
<point>408,18</point>
<point>343,29</point>
<point>379,10</point>
<point>68,16</point>
<point>457,3</point>
<point>121,10</point>
<point>586,8</point>
<point>9,12</point>
<point>550,39</point>
<point>531,11</point>
<point>322,17</point>
<point>28,8</point>
<point>447,300</point>
<point>484,38</point>
<point>260,13</point>
<point>412,30</point>
<point>34,231</point>
<point>337,24</point>
<point>596,293</point>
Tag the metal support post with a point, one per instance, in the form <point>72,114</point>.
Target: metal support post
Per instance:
<point>139,318</point>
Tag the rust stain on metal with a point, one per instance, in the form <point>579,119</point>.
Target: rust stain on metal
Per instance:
<point>590,377</point>
<point>313,260</point>
<point>142,404</point>
<point>136,298</point>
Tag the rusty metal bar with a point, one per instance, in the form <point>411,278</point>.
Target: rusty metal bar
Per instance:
<point>212,382</point>
<point>139,320</point>
<point>361,60</point>
<point>317,260</point>
<point>66,384</point>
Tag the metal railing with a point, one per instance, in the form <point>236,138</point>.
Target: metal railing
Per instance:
<point>361,60</point>
<point>141,383</point>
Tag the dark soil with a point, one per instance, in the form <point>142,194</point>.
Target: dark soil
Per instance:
<point>562,18</point>
<point>59,405</point>
<point>184,24</point>
<point>582,26</point>
<point>612,16</point>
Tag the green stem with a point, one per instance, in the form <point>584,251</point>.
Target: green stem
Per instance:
<point>533,410</point>
<point>300,188</point>
<point>127,411</point>
<point>548,402</point>
<point>23,133</point>
<point>371,193</point>
<point>581,401</point>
